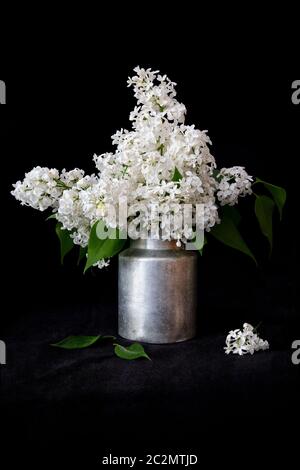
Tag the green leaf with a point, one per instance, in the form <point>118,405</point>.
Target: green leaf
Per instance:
<point>134,351</point>
<point>227,232</point>
<point>80,342</point>
<point>229,212</point>
<point>279,194</point>
<point>200,246</point>
<point>177,175</point>
<point>264,207</point>
<point>102,249</point>
<point>52,216</point>
<point>82,254</point>
<point>66,242</point>
<point>232,213</point>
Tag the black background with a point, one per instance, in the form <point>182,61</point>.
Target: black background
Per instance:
<point>58,114</point>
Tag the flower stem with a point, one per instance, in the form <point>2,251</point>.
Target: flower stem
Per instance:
<point>257,326</point>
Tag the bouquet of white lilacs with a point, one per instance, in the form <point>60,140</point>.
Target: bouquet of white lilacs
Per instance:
<point>161,162</point>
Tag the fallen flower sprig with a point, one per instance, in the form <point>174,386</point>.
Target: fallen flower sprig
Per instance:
<point>245,341</point>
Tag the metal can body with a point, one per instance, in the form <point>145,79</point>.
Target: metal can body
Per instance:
<point>157,292</point>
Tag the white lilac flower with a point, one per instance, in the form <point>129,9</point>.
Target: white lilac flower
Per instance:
<point>141,171</point>
<point>39,189</point>
<point>102,263</point>
<point>42,187</point>
<point>234,183</point>
<point>244,341</point>
<point>69,178</point>
<point>70,211</point>
<point>144,162</point>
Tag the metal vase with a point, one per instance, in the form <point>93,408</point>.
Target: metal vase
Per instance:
<point>157,292</point>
